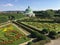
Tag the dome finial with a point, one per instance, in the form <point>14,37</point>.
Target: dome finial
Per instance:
<point>28,6</point>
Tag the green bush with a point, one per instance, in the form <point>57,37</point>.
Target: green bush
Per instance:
<point>11,17</point>
<point>39,35</point>
<point>53,35</point>
<point>58,32</point>
<point>29,43</point>
<point>45,31</point>
<point>42,42</point>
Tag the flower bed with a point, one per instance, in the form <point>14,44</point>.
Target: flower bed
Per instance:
<point>10,35</point>
<point>50,26</point>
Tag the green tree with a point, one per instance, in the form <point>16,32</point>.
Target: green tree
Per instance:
<point>11,18</point>
<point>49,13</point>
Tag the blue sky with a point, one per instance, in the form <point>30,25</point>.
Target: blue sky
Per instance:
<point>6,5</point>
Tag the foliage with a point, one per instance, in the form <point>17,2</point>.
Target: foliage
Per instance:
<point>41,26</point>
<point>42,42</point>
<point>53,35</point>
<point>11,36</point>
<point>50,13</point>
<point>29,43</point>
<point>45,31</point>
<point>4,17</point>
<point>11,17</point>
<point>39,35</point>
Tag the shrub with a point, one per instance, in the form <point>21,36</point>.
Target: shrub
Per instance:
<point>53,35</point>
<point>45,31</point>
<point>29,43</point>
<point>42,42</point>
<point>39,35</point>
<point>58,32</point>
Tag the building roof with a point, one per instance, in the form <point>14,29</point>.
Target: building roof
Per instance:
<point>28,10</point>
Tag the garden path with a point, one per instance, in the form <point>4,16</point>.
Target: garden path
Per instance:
<point>54,42</point>
<point>26,42</point>
<point>5,24</point>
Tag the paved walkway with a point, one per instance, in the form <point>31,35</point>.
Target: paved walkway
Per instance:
<point>26,42</point>
<point>54,42</point>
<point>5,24</point>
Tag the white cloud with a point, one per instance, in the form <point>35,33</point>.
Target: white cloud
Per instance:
<point>8,5</point>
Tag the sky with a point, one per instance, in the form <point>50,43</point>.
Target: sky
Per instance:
<point>12,5</point>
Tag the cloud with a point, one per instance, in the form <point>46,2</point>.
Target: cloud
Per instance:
<point>7,5</point>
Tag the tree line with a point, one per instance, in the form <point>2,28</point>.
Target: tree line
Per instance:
<point>48,13</point>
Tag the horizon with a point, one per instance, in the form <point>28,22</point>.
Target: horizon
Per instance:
<point>36,5</point>
<point>24,10</point>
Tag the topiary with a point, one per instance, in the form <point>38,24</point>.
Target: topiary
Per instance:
<point>45,31</point>
<point>39,35</point>
<point>29,43</point>
<point>53,34</point>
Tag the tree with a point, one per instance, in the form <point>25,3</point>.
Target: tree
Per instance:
<point>58,11</point>
<point>49,13</point>
<point>11,18</point>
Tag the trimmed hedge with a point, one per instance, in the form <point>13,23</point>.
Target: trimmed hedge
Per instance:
<point>39,35</point>
<point>42,42</point>
<point>45,31</point>
<point>30,43</point>
<point>53,34</point>
<point>34,33</point>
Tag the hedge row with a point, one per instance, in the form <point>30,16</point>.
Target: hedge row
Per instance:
<point>28,26</point>
<point>51,34</point>
<point>36,34</point>
<point>44,31</point>
<point>42,42</point>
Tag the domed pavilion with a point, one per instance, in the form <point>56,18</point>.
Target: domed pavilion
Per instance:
<point>29,12</point>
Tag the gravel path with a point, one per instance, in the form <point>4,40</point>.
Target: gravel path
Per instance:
<point>26,42</point>
<point>5,25</point>
<point>54,42</point>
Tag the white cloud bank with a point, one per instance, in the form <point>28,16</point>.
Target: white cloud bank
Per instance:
<point>8,5</point>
